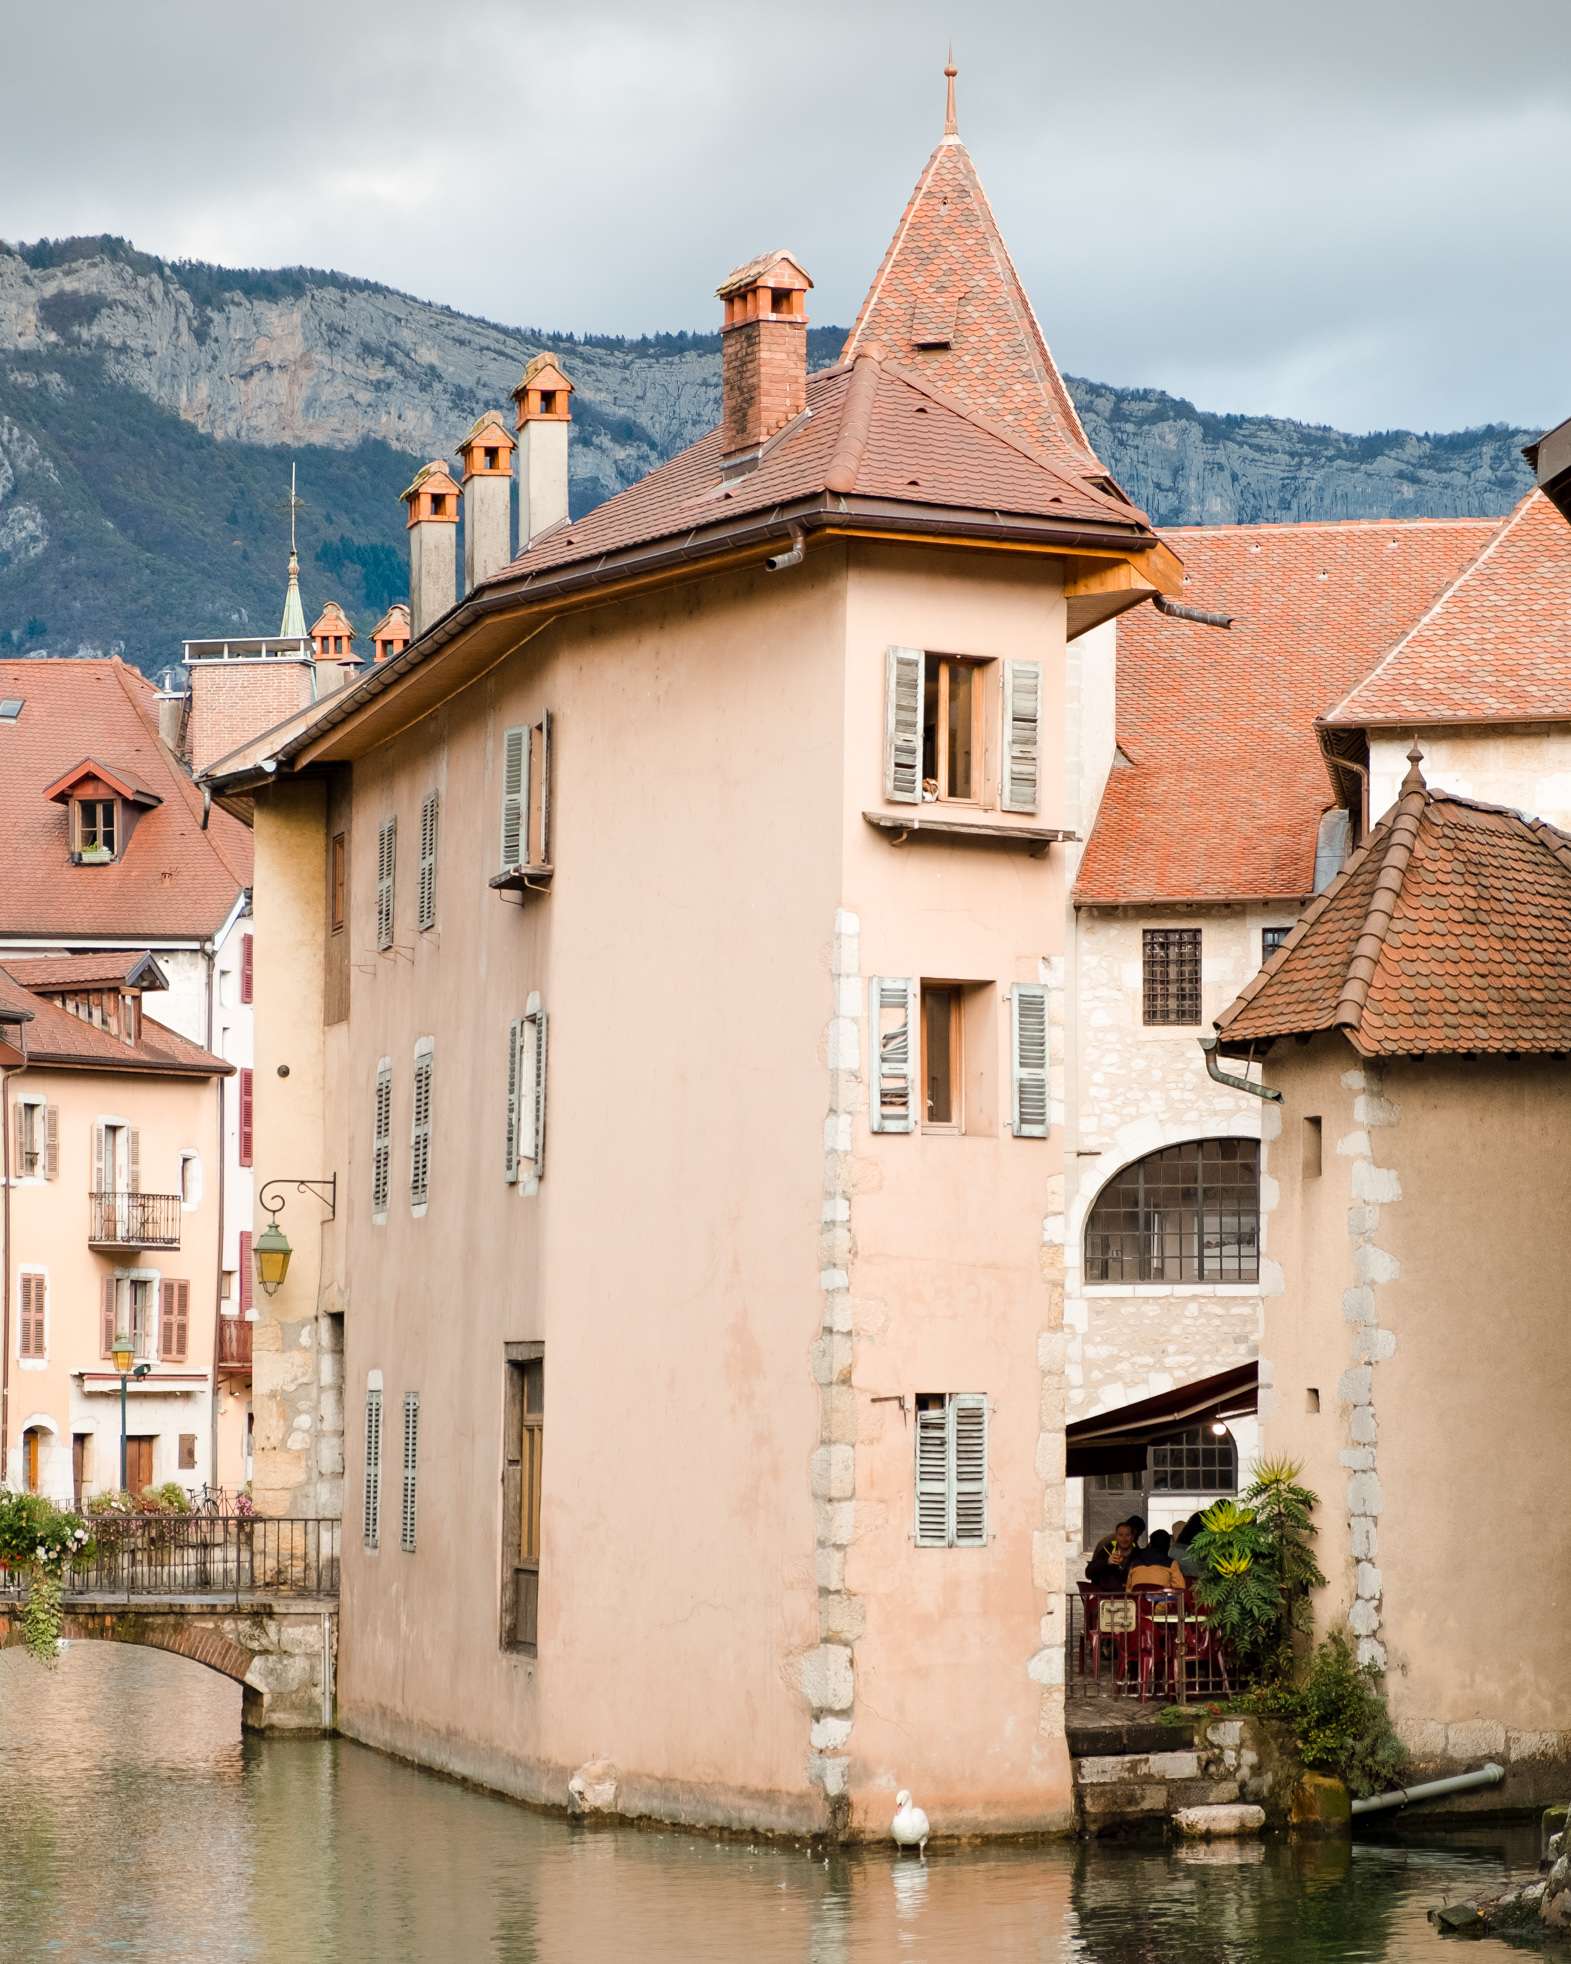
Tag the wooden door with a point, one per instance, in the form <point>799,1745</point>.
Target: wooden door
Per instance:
<point>30,1458</point>
<point>138,1463</point>
<point>80,1473</point>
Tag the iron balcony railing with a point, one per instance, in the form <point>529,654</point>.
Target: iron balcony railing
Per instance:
<point>174,1555</point>
<point>234,1343</point>
<point>133,1220</point>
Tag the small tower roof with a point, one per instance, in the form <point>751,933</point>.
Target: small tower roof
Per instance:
<point>778,269</point>
<point>434,478</point>
<point>543,372</point>
<point>294,607</point>
<point>393,623</point>
<point>333,620</point>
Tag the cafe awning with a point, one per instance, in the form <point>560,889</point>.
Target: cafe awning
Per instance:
<point>1118,1441</point>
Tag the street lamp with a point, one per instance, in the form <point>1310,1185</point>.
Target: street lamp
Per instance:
<point>124,1354</point>
<point>270,1251</point>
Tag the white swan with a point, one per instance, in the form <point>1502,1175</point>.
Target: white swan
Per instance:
<point>909,1827</point>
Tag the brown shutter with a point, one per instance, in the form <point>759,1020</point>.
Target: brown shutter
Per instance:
<point>247,1098</point>
<point>51,1142</point>
<point>107,1318</point>
<point>133,1159</point>
<point>246,973</point>
<point>174,1333</point>
<point>31,1333</point>
<point>245,1271</point>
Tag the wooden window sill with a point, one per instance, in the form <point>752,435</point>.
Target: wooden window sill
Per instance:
<point>522,879</point>
<point>1032,839</point>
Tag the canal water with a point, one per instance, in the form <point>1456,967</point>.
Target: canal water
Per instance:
<point>135,1823</point>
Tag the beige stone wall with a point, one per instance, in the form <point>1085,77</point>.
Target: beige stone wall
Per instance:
<point>1525,765</point>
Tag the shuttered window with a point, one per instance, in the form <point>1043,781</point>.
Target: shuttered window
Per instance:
<point>891,1103</point>
<point>524,1438</point>
<point>1022,736</point>
<point>515,1031</point>
<point>51,1142</point>
<point>373,1467</point>
<point>175,1320</point>
<point>532,1092</point>
<point>381,1136</point>
<point>386,869</point>
<point>515,797</point>
<point>903,697</point>
<point>1028,1059</point>
<point>106,1316</point>
<point>951,1470</point>
<point>247,1114</point>
<point>406,1532</point>
<point>420,1126</point>
<point>429,816</point>
<point>31,1326</point>
<point>247,971</point>
<point>247,1274</point>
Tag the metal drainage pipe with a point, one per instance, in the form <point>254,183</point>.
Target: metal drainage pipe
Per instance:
<point>1214,1070</point>
<point>1489,1775</point>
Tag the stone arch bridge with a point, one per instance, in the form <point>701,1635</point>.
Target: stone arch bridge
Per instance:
<point>254,1599</point>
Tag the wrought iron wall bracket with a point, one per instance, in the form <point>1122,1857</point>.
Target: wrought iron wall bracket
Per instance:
<point>324,1190</point>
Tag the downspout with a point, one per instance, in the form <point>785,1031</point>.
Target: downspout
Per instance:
<point>1177,611</point>
<point>1215,1072</point>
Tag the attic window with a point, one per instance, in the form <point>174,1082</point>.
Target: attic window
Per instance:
<point>96,823</point>
<point>10,709</point>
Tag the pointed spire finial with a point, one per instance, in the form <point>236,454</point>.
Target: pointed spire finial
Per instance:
<point>293,624</point>
<point>951,127</point>
<point>1414,781</point>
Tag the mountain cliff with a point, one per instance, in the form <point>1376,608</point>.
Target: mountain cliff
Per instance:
<point>149,412</point>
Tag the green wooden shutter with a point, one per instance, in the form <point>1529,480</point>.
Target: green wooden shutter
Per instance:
<point>386,875</point>
<point>968,1434</point>
<point>430,813</point>
<point>1028,1059</point>
<point>903,686</point>
<point>932,1473</point>
<point>515,798</point>
<point>510,1149</point>
<point>891,1042</point>
<point>1022,735</point>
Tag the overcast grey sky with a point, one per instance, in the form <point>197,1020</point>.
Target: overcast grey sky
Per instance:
<point>1353,212</point>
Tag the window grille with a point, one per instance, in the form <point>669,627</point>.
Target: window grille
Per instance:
<point>411,1460</point>
<point>951,1470</point>
<point>373,1467</point>
<point>1271,938</point>
<point>420,1126</point>
<point>386,867</point>
<point>429,815</point>
<point>381,1137</point>
<point>1196,1461</point>
<point>1170,975</point>
<point>1190,1213</point>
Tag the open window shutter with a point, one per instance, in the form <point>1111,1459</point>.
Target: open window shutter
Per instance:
<point>106,1319</point>
<point>903,680</point>
<point>534,1082</point>
<point>247,1276</point>
<point>510,1149</point>
<point>133,1159</point>
<point>175,1319</point>
<point>411,1468</point>
<point>429,814</point>
<point>515,797</point>
<point>968,1412</point>
<point>103,1173</point>
<point>386,870</point>
<point>891,1103</point>
<point>932,1477</point>
<point>247,1114</point>
<point>1028,1059</point>
<point>545,789</point>
<point>51,1142</point>
<point>1022,739</point>
<point>246,971</point>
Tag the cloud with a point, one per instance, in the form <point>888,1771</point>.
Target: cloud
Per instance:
<point>1353,214</point>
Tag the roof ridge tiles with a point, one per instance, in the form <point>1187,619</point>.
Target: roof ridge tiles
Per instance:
<point>856,422</point>
<point>1395,860</point>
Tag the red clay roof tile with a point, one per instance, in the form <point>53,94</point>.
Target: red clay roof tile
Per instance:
<point>55,1036</point>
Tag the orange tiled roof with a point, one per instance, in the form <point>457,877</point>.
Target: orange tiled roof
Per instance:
<point>115,969</point>
<point>1226,785</point>
<point>175,879</point>
<point>872,429</point>
<point>1495,647</point>
<point>55,1036</point>
<point>948,300</point>
<point>1448,931</point>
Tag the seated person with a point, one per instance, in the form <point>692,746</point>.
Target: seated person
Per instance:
<point>1183,1548</point>
<point>1153,1567</point>
<point>1110,1556</point>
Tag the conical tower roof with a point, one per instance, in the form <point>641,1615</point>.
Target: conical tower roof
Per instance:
<point>947,299</point>
<point>294,609</point>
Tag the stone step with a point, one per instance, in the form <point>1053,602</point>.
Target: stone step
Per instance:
<point>1131,1735</point>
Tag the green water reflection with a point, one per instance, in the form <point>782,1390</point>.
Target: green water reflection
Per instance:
<point>135,1824</point>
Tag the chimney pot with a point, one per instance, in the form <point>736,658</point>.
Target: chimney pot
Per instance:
<point>763,355</point>
<point>487,457</point>
<point>433,510</point>
<point>545,409</point>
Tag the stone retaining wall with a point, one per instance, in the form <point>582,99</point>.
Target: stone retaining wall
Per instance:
<point>1212,1762</point>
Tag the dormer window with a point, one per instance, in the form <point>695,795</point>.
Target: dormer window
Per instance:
<point>97,827</point>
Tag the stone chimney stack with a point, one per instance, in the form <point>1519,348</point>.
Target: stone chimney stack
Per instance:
<point>333,645</point>
<point>763,355</point>
<point>544,399</point>
<point>433,569</point>
<point>487,457</point>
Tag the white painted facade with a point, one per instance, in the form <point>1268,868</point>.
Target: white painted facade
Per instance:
<point>1524,765</point>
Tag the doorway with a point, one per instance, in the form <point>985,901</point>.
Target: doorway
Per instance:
<point>81,1467</point>
<point>32,1457</point>
<point>139,1461</point>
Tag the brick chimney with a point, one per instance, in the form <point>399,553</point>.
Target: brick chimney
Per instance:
<point>433,518</point>
<point>333,642</point>
<point>544,399</point>
<point>763,355</point>
<point>487,457</point>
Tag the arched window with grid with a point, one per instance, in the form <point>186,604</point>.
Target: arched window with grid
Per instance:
<point>1189,1213</point>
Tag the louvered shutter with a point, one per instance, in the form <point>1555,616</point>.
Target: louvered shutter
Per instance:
<point>1028,1059</point>
<point>247,975</point>
<point>891,1102</point>
<point>545,789</point>
<point>381,1138</point>
<point>247,1114</point>
<point>533,1074</point>
<point>429,817</point>
<point>103,1173</point>
<point>133,1159</point>
<point>1022,735</point>
<point>174,1319</point>
<point>247,1272</point>
<point>30,1333</point>
<point>420,1131</point>
<point>510,1149</point>
<point>903,688</point>
<point>411,1462</point>
<point>386,872</point>
<point>968,1429</point>
<point>515,798</point>
<point>106,1317</point>
<point>18,1166</point>
<point>373,1467</point>
<point>51,1142</point>
<point>932,1476</point>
